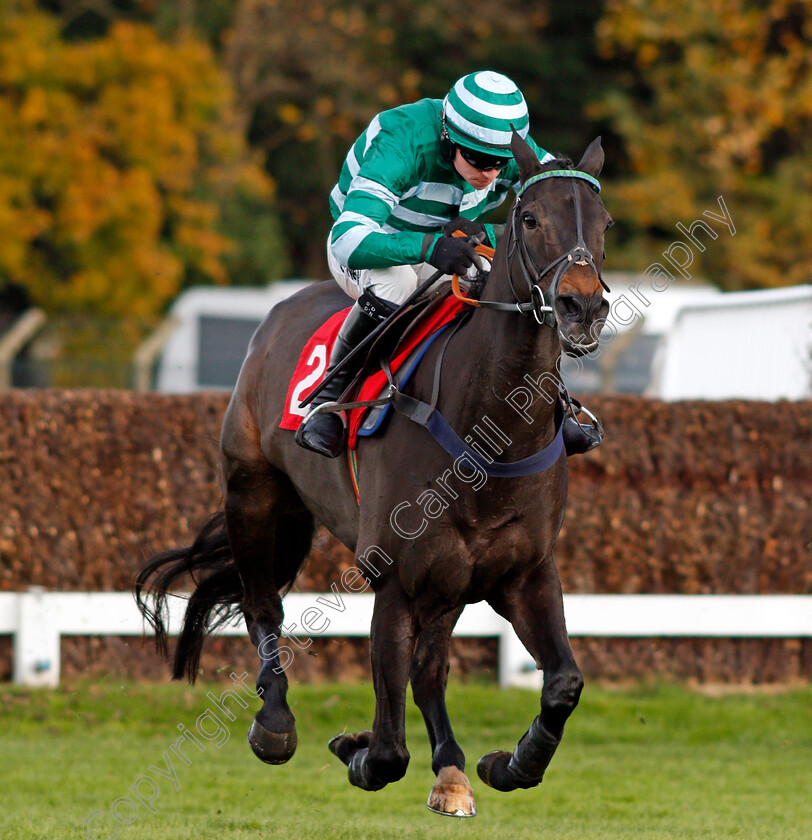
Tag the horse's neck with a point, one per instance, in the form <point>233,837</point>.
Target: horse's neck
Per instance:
<point>508,371</point>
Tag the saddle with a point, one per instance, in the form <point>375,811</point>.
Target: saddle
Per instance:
<point>397,331</point>
<point>406,331</point>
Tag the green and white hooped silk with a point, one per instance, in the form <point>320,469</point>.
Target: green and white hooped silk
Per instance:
<point>396,186</point>
<point>480,109</point>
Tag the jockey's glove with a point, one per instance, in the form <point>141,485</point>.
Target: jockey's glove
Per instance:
<point>467,226</point>
<point>453,255</point>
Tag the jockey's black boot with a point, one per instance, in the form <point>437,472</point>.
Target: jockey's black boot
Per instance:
<point>325,432</point>
<point>580,437</point>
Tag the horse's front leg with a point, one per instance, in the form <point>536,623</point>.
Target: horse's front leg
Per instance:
<point>379,756</point>
<point>451,794</point>
<point>534,606</point>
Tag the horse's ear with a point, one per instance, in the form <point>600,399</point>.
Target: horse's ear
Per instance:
<point>525,157</point>
<point>592,161</point>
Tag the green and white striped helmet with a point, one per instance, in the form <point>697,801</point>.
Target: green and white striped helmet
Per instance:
<point>479,110</point>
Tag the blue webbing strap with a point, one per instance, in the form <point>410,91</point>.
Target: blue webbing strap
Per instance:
<point>455,446</point>
<point>433,420</point>
<point>368,431</point>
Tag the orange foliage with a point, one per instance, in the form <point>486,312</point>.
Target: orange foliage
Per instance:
<point>111,155</point>
<point>729,113</point>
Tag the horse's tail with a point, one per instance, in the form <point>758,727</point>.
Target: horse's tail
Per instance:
<point>217,597</point>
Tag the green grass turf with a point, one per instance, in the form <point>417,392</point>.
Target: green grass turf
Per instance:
<point>649,762</point>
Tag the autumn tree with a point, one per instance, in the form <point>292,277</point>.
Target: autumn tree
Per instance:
<point>121,167</point>
<point>715,99</point>
<point>82,19</point>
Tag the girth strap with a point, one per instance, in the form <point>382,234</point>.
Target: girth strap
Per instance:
<point>431,418</point>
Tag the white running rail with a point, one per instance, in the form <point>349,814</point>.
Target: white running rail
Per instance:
<point>38,619</point>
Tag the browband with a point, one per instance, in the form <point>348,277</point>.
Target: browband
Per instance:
<point>559,173</point>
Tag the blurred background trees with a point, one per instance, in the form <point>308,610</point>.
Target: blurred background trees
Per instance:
<point>124,174</point>
<point>310,76</point>
<point>146,145</point>
<point>714,97</point>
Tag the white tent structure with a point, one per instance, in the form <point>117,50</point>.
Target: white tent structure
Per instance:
<point>640,317</point>
<point>741,345</point>
<point>213,327</point>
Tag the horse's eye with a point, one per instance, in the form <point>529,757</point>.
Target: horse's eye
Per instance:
<point>529,220</point>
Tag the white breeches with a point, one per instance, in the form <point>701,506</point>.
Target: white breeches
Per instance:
<point>393,284</point>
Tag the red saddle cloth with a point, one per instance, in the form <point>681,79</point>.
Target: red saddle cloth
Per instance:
<point>315,356</point>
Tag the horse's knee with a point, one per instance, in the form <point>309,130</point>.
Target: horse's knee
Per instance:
<point>560,696</point>
<point>427,682</point>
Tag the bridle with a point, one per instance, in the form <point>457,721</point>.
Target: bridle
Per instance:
<point>579,254</point>
<point>538,306</point>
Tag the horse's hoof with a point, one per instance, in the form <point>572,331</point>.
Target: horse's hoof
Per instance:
<point>451,795</point>
<point>344,746</point>
<point>359,773</point>
<point>272,747</point>
<point>492,769</point>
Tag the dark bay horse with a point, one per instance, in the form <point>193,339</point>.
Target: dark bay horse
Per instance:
<point>494,543</point>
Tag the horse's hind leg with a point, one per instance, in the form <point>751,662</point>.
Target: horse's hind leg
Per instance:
<point>379,756</point>
<point>535,608</point>
<point>451,794</point>
<point>268,547</point>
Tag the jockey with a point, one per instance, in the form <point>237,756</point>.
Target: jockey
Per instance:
<point>417,174</point>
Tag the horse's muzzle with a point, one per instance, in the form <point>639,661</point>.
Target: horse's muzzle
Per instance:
<point>580,319</point>
<point>576,348</point>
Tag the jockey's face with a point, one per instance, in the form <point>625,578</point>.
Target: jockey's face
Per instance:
<point>477,178</point>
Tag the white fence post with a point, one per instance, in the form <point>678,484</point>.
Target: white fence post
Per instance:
<point>36,641</point>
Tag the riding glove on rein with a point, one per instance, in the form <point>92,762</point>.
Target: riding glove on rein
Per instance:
<point>453,255</point>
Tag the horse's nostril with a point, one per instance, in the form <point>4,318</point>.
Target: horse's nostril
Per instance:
<point>568,306</point>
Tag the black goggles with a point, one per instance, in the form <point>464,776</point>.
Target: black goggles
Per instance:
<point>481,161</point>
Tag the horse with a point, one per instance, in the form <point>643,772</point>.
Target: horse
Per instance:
<point>543,296</point>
